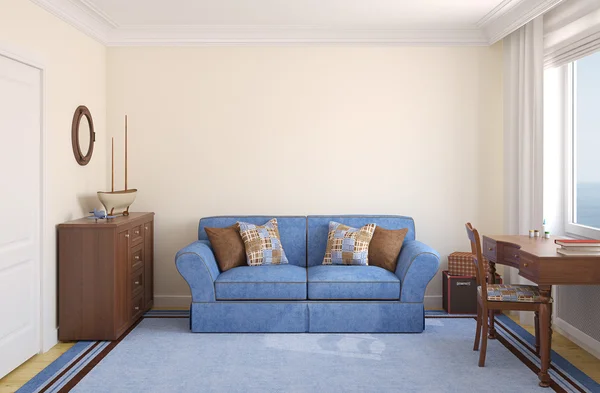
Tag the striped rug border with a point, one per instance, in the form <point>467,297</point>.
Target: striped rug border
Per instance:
<point>72,366</point>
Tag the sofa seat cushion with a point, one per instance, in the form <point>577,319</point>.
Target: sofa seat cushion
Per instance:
<point>334,282</point>
<point>270,282</point>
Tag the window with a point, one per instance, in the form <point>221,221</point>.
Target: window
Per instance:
<point>584,147</point>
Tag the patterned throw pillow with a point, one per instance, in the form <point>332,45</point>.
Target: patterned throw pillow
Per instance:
<point>263,244</point>
<point>347,245</point>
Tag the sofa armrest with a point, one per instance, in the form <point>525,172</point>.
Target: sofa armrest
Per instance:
<point>196,263</point>
<point>417,265</point>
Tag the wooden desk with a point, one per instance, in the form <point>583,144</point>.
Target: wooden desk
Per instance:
<point>538,261</point>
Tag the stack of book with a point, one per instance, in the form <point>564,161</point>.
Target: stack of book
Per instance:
<point>578,247</point>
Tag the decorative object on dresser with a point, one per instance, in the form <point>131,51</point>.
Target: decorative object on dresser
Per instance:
<point>118,202</point>
<point>82,135</point>
<point>100,215</point>
<point>105,275</point>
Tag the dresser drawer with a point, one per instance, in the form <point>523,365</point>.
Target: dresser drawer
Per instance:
<point>137,307</point>
<point>137,257</point>
<point>137,235</point>
<point>489,249</point>
<point>137,283</point>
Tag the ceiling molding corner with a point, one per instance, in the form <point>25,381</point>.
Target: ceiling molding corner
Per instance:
<point>287,35</point>
<point>78,15</point>
<point>510,15</point>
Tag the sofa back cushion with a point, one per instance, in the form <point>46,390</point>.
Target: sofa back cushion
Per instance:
<point>318,229</point>
<point>292,230</point>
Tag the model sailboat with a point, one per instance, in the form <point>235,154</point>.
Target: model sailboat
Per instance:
<point>118,202</point>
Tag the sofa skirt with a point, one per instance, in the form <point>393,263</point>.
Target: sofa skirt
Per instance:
<point>307,317</point>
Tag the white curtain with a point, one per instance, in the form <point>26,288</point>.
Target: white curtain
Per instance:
<point>523,135</point>
<point>523,128</point>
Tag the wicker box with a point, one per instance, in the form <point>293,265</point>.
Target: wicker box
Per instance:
<point>461,264</point>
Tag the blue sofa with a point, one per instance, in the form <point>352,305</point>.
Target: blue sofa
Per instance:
<point>306,296</point>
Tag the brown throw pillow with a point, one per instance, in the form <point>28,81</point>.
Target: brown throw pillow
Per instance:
<point>385,247</point>
<point>228,246</point>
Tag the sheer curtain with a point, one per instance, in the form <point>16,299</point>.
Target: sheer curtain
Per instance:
<point>524,134</point>
<point>523,127</point>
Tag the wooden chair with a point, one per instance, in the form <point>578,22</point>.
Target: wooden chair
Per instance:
<point>493,297</point>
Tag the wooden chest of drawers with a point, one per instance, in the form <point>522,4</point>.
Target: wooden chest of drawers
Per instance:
<point>105,275</point>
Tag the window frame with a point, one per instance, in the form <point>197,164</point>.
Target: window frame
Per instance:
<point>570,95</point>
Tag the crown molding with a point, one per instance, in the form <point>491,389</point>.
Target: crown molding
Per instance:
<point>80,16</point>
<point>287,35</point>
<point>509,15</point>
<point>91,7</point>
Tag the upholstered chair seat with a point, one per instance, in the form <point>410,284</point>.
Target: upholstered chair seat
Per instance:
<point>512,293</point>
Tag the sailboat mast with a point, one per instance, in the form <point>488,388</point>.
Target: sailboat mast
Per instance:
<point>125,152</point>
<point>112,166</point>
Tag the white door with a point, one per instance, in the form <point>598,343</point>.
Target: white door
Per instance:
<point>20,209</point>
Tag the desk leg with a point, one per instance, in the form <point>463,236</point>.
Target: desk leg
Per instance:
<point>492,273</point>
<point>492,280</point>
<point>545,335</point>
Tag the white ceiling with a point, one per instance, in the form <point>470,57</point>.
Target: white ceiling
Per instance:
<point>181,22</point>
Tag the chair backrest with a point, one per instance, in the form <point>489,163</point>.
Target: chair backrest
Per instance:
<point>292,230</point>
<point>478,260</point>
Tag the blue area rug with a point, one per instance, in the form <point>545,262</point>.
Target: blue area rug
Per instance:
<point>161,355</point>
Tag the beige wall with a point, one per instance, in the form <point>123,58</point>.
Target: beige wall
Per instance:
<point>310,130</point>
<point>75,74</point>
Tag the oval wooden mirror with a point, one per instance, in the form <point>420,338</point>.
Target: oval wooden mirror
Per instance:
<point>83,135</point>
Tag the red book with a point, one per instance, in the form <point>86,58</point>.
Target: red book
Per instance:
<point>577,242</point>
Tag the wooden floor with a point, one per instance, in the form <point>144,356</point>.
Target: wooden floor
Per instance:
<point>578,357</point>
<point>19,376</point>
<point>567,349</point>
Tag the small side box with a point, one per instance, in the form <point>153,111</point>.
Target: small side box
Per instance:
<point>460,293</point>
<point>461,264</point>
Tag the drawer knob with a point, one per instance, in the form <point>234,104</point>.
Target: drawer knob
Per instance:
<point>127,235</point>
<point>146,228</point>
<point>516,256</point>
<point>491,249</point>
<point>137,283</point>
<point>137,257</point>
<point>525,264</point>
<point>136,232</point>
<point>137,307</point>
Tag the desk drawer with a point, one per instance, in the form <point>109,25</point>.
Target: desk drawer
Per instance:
<point>527,265</point>
<point>511,254</point>
<point>490,249</point>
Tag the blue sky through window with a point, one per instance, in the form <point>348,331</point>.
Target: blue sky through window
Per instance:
<point>587,146</point>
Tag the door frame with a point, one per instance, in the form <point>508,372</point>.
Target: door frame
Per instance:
<point>19,55</point>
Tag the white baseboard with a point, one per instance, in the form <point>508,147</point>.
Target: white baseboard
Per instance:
<point>172,300</point>
<point>577,336</point>
<point>432,302</point>
<point>49,340</point>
